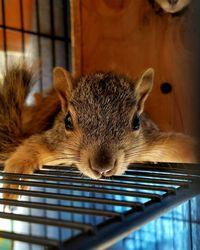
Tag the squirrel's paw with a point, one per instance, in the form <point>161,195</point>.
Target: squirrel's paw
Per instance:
<point>11,183</point>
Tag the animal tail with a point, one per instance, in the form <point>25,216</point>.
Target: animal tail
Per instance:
<point>14,88</point>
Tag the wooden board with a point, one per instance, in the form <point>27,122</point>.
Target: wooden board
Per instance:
<point>128,36</point>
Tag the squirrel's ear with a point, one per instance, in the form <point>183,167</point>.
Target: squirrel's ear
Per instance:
<point>63,85</point>
<point>143,87</point>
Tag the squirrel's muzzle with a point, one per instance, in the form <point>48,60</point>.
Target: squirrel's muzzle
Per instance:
<point>172,2</point>
<point>103,162</point>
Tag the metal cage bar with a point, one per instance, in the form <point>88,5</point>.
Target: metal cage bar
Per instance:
<point>126,206</point>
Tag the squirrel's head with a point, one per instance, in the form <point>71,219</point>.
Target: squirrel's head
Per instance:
<point>102,119</point>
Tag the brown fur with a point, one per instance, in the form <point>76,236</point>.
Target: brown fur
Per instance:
<point>47,107</point>
<point>14,89</point>
<point>102,141</point>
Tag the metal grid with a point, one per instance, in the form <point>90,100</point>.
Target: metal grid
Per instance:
<point>42,37</point>
<point>64,210</point>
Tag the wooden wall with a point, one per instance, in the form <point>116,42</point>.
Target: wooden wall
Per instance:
<point>129,36</point>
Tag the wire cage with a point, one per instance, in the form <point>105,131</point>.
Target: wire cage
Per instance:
<point>38,31</point>
<point>64,210</point>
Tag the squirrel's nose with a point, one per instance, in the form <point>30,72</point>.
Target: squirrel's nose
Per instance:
<point>173,2</point>
<point>101,169</point>
<point>102,162</point>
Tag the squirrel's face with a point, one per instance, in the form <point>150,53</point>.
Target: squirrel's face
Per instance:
<point>173,6</point>
<point>102,119</point>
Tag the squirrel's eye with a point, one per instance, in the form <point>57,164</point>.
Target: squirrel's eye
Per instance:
<point>68,122</point>
<point>136,122</point>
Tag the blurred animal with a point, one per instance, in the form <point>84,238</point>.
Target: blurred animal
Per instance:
<point>173,6</point>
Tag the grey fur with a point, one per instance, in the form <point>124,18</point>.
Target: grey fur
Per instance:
<point>102,103</point>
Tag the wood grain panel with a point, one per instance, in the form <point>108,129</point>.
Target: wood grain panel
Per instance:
<point>128,36</point>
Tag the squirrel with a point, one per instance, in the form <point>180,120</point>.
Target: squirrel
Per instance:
<point>95,122</point>
<point>171,6</point>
